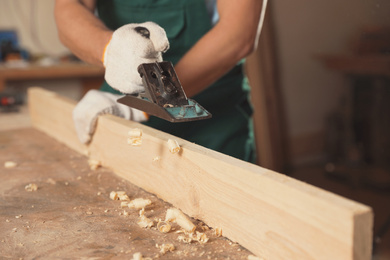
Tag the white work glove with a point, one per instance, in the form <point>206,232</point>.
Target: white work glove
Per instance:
<point>96,103</point>
<point>131,45</point>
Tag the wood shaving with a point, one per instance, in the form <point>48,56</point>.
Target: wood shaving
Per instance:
<point>10,164</point>
<point>188,237</point>
<point>163,227</point>
<point>156,159</point>
<point>252,257</point>
<point>218,232</point>
<point>135,137</point>
<point>201,237</point>
<point>124,204</point>
<point>138,256</point>
<point>119,195</point>
<point>86,152</point>
<point>139,203</point>
<point>31,187</point>
<point>123,197</point>
<point>114,195</point>
<point>175,215</point>
<point>143,221</point>
<point>94,164</point>
<point>173,146</point>
<point>164,248</point>
<point>184,239</point>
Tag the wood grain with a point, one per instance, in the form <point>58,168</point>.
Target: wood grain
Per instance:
<point>272,215</point>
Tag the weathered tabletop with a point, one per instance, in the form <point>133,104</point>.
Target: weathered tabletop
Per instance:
<point>71,214</point>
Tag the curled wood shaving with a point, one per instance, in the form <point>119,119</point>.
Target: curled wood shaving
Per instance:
<point>31,187</point>
<point>119,195</point>
<point>135,137</point>
<point>184,239</point>
<point>139,203</point>
<point>94,164</point>
<point>10,164</point>
<point>173,146</point>
<point>201,237</point>
<point>143,221</point>
<point>138,256</point>
<point>124,204</point>
<point>188,237</point>
<point>218,232</point>
<point>164,248</point>
<point>175,215</point>
<point>163,227</point>
<point>114,195</point>
<point>123,197</point>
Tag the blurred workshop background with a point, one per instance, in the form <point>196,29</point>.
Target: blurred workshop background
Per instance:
<point>321,90</point>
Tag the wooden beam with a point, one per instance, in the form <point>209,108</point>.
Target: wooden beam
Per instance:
<point>274,216</point>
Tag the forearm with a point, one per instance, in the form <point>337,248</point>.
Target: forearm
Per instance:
<point>231,39</point>
<point>83,33</point>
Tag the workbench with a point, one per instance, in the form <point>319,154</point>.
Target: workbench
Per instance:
<point>71,215</point>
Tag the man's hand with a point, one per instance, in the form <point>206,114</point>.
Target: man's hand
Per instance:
<point>96,103</point>
<point>131,45</point>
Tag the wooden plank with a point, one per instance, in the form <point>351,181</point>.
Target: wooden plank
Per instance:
<point>274,216</point>
<point>52,114</point>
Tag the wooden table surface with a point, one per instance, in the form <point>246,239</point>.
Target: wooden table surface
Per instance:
<point>15,119</point>
<point>71,214</point>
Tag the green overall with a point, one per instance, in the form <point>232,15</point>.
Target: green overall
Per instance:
<point>185,22</point>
